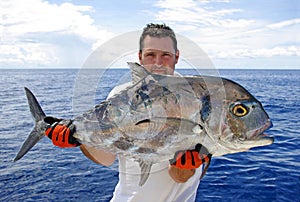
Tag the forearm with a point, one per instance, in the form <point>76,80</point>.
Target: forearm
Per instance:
<point>98,156</point>
<point>180,175</point>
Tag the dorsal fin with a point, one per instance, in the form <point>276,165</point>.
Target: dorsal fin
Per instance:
<point>138,72</point>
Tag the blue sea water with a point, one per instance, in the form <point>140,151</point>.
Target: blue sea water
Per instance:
<point>47,173</point>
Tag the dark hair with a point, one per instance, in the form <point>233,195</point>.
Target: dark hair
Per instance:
<point>158,30</point>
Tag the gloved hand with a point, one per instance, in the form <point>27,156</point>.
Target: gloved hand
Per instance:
<point>191,159</point>
<point>61,132</point>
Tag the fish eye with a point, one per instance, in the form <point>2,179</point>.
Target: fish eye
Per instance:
<point>240,110</point>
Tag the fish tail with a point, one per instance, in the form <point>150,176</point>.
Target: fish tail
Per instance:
<point>37,132</point>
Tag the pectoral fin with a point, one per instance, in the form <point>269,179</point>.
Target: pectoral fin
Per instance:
<point>145,172</point>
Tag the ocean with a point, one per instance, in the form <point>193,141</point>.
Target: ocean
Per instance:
<point>48,173</point>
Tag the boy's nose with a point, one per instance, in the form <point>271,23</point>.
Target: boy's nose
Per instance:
<point>158,60</point>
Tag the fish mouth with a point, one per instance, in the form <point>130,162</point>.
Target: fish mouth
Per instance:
<point>259,133</point>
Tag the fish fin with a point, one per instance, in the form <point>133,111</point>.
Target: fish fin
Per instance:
<point>30,141</point>
<point>145,171</point>
<point>143,121</point>
<point>37,132</point>
<point>206,165</point>
<point>173,122</point>
<point>138,72</point>
<point>34,106</point>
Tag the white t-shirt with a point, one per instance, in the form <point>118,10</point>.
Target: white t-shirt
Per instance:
<point>159,186</point>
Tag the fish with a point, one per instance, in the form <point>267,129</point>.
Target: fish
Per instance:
<point>158,115</point>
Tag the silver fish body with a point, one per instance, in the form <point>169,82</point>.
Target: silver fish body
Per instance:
<point>158,115</point>
<point>216,112</point>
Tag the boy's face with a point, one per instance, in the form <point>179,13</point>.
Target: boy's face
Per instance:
<point>158,55</point>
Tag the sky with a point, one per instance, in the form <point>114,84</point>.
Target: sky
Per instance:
<point>233,33</point>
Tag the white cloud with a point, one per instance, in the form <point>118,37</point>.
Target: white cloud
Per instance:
<point>30,54</point>
<point>285,23</point>
<point>40,33</point>
<point>197,14</point>
<point>224,35</point>
<point>264,52</point>
<point>31,31</point>
<point>175,4</point>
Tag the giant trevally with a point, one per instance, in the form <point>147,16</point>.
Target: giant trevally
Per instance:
<point>160,114</point>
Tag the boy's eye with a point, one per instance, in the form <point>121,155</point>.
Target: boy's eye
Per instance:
<point>167,54</point>
<point>149,54</point>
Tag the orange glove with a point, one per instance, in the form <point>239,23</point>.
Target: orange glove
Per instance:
<point>191,159</point>
<point>61,132</point>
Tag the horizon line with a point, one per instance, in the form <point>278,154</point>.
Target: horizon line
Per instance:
<point>177,68</point>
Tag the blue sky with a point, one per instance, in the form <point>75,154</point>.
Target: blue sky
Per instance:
<point>234,33</point>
